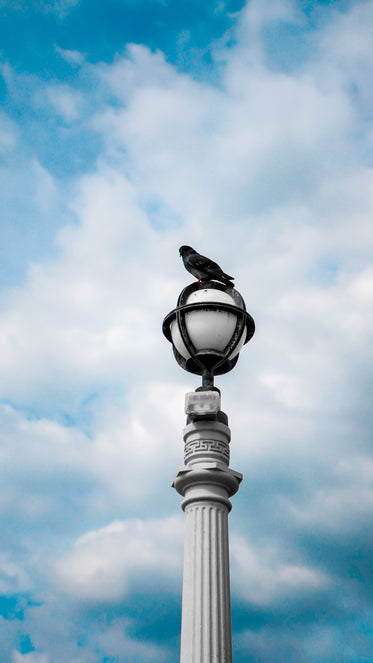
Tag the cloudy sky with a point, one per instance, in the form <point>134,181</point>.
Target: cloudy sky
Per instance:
<point>127,128</point>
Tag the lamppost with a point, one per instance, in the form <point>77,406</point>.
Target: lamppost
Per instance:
<point>207,329</point>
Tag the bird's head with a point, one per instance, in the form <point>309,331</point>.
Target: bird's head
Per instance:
<point>185,250</point>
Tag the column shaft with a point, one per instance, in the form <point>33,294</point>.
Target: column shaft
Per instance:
<point>206,635</point>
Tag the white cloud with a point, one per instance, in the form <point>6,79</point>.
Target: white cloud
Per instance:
<point>105,565</point>
<point>45,191</point>
<point>286,388</point>
<point>66,102</point>
<point>13,577</point>
<point>260,576</point>
<point>32,657</point>
<point>216,153</point>
<point>129,459</point>
<point>342,508</point>
<point>73,57</point>
<point>79,317</point>
<point>8,135</point>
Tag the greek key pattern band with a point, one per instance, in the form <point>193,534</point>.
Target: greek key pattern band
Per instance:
<point>198,447</point>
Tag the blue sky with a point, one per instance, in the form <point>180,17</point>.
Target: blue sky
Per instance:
<point>126,130</point>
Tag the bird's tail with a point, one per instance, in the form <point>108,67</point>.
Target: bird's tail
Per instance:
<point>226,279</point>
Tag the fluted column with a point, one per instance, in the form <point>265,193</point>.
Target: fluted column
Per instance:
<point>206,483</point>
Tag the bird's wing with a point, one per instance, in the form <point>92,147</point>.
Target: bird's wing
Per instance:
<point>201,262</point>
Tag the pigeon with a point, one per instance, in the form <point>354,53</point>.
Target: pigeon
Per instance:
<point>203,268</point>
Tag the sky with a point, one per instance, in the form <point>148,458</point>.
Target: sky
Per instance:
<point>128,128</point>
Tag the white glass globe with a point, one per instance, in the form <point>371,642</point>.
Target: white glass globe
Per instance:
<point>209,330</point>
